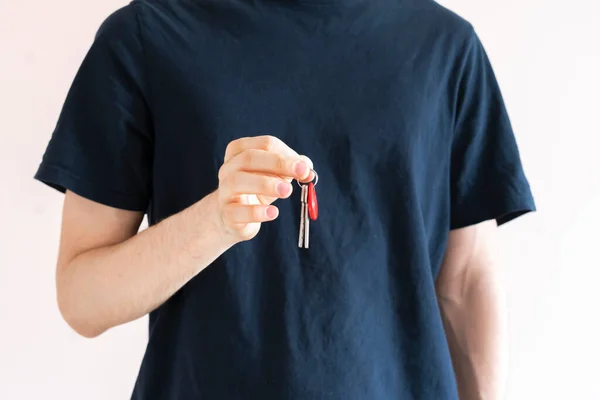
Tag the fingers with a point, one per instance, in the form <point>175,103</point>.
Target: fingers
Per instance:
<point>241,182</point>
<point>261,161</point>
<point>311,174</point>
<point>269,144</point>
<point>236,213</point>
<point>256,172</point>
<point>265,143</point>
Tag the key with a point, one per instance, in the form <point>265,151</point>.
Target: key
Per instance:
<point>309,209</point>
<point>302,212</point>
<point>306,218</point>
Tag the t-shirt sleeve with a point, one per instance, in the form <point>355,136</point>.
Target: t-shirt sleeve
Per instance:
<point>487,177</point>
<point>101,147</point>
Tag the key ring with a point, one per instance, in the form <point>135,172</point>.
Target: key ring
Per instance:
<point>316,179</point>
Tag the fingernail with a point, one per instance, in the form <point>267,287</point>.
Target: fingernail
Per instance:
<point>283,188</point>
<point>300,168</point>
<point>272,212</point>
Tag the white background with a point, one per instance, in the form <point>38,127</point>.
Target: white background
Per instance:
<point>547,58</point>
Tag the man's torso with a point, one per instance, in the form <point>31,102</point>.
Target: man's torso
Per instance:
<point>364,90</point>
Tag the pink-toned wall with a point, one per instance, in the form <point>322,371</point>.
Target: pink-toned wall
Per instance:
<point>547,57</point>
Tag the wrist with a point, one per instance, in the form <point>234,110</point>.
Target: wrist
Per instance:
<point>207,226</point>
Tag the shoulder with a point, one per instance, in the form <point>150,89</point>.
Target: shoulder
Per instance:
<point>441,21</point>
<point>148,16</point>
<point>434,12</point>
<point>121,23</point>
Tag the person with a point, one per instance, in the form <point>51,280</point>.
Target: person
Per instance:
<point>203,114</point>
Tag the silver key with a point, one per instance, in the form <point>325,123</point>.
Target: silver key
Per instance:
<point>303,208</point>
<point>304,219</point>
<point>304,215</point>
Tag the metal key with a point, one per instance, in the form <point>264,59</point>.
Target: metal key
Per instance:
<point>302,212</point>
<point>304,220</point>
<point>307,211</point>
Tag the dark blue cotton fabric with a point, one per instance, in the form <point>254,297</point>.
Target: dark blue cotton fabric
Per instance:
<point>396,104</point>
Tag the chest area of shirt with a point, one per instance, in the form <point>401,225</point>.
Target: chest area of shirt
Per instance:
<point>362,105</point>
<point>324,92</point>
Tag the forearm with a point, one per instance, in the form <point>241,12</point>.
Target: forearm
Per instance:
<point>475,323</point>
<point>109,286</point>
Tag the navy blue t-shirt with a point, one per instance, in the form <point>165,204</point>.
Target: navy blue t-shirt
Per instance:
<point>396,104</point>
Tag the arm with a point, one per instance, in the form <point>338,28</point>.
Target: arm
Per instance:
<point>108,275</point>
<point>473,310</point>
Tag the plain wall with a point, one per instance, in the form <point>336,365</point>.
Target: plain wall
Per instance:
<point>546,55</point>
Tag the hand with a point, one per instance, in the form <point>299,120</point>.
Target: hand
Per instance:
<point>256,172</point>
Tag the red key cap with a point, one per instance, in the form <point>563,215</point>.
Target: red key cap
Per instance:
<point>313,205</point>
